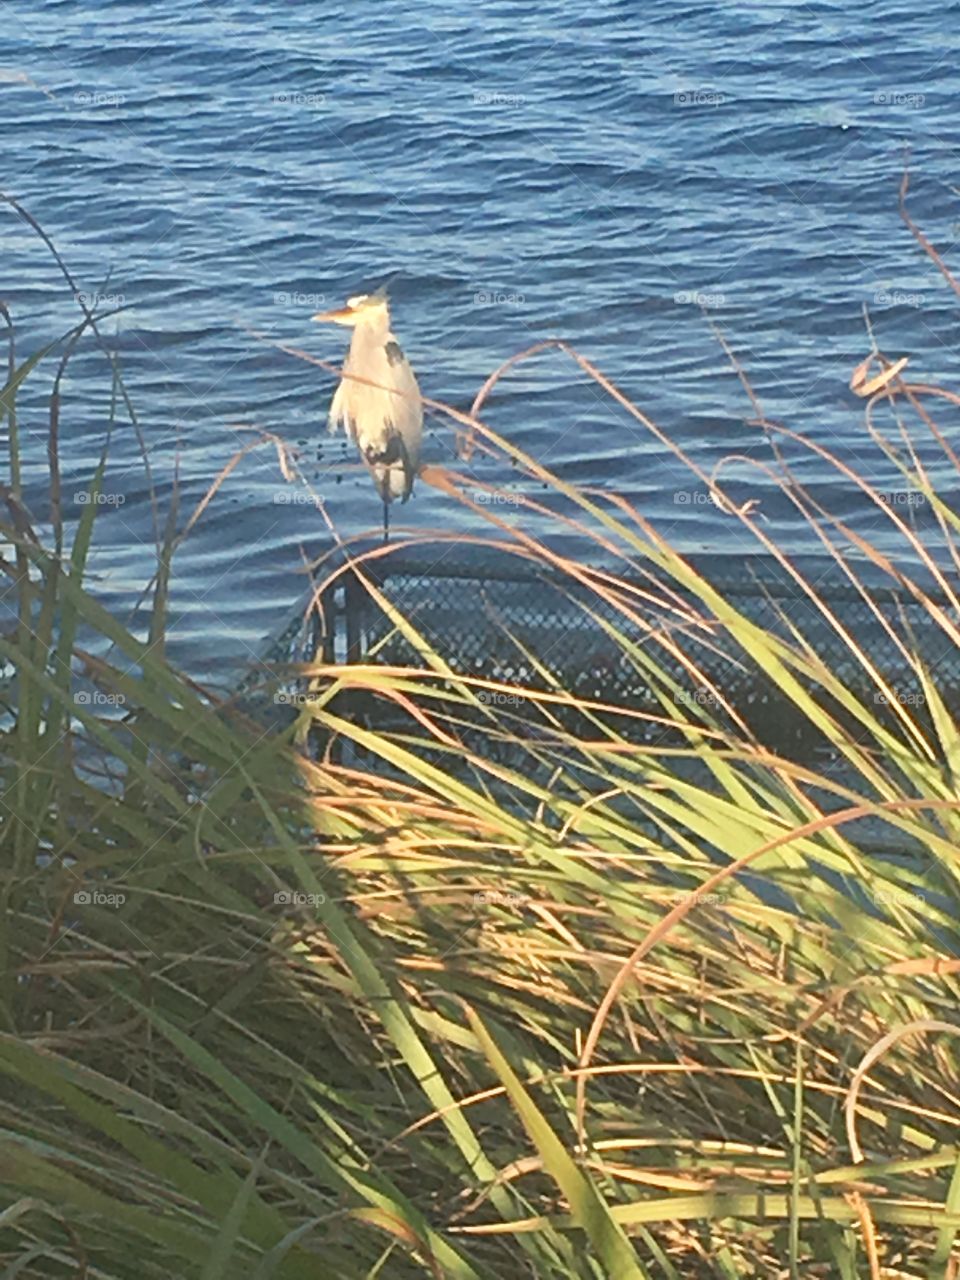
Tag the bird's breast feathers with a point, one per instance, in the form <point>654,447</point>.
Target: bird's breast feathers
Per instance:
<point>378,403</point>
<point>370,413</point>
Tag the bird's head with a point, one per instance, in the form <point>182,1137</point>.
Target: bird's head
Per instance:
<point>364,308</point>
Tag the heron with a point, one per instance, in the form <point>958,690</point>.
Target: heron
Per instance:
<point>384,413</point>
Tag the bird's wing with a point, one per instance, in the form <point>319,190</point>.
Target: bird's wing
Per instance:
<point>391,468</point>
<point>383,414</point>
<point>340,410</point>
<point>407,412</point>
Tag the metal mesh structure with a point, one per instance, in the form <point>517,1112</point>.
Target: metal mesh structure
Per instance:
<point>606,640</point>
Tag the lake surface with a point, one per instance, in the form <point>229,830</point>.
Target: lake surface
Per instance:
<point>615,174</point>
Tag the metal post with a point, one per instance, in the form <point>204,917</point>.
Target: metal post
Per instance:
<point>323,627</point>
<point>353,601</point>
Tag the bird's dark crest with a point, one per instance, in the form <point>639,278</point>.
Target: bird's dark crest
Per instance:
<point>383,290</point>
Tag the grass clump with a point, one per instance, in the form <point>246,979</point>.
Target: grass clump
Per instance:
<point>528,985</point>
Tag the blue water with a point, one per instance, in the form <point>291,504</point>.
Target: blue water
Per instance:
<point>595,172</point>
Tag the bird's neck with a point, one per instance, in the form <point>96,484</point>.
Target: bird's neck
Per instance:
<point>371,333</point>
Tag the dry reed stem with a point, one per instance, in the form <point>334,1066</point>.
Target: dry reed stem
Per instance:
<point>869,1058</point>
<point>682,909</point>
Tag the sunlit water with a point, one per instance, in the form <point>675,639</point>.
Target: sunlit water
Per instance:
<point>605,173</point>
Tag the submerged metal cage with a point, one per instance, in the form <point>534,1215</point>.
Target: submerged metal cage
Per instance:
<point>602,638</point>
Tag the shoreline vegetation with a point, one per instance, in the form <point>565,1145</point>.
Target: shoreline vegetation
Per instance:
<point>499,980</point>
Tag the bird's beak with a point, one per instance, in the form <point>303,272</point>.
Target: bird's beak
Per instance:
<point>343,313</point>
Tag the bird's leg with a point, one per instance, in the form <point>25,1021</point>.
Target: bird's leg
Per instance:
<point>386,521</point>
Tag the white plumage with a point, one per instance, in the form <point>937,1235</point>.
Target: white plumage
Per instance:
<point>378,400</point>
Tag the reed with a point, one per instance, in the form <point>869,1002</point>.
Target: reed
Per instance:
<point>538,985</point>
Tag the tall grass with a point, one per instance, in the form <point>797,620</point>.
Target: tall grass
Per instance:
<point>547,987</point>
